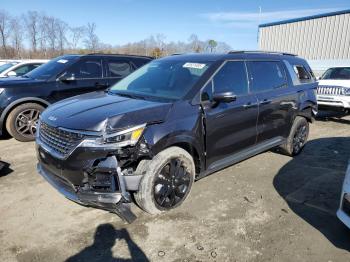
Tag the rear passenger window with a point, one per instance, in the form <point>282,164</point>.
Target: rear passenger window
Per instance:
<point>231,77</point>
<point>266,75</point>
<point>119,68</point>
<point>301,72</point>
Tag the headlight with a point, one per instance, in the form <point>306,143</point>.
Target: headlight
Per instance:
<point>127,137</point>
<point>346,91</point>
<point>1,90</point>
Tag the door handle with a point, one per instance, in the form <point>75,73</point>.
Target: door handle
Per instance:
<point>97,84</point>
<point>265,102</point>
<point>249,105</point>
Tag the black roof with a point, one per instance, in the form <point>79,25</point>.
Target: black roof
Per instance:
<point>116,55</point>
<point>203,57</point>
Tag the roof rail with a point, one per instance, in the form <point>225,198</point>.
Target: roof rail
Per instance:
<point>260,52</point>
<point>97,53</point>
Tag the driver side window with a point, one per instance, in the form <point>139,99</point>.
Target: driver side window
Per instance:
<point>232,77</point>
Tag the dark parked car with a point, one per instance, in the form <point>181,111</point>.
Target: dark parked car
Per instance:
<point>173,121</point>
<point>23,99</point>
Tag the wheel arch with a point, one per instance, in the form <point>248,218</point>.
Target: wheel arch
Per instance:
<point>186,142</point>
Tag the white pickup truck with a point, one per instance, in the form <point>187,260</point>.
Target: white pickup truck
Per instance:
<point>333,90</point>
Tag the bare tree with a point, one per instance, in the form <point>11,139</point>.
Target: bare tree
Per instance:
<point>5,21</point>
<point>77,33</point>
<point>32,23</point>
<point>91,39</point>
<point>17,36</point>
<point>61,32</point>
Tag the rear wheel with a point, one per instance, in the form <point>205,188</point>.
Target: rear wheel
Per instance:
<point>167,180</point>
<point>21,122</point>
<point>297,137</point>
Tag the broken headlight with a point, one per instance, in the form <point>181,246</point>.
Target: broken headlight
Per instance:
<point>128,137</point>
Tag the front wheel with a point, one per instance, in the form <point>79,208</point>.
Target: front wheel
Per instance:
<point>167,180</point>
<point>297,137</point>
<point>22,121</point>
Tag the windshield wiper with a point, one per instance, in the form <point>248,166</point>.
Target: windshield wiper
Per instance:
<point>128,95</point>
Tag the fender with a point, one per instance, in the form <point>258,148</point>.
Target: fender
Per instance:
<point>20,101</point>
<point>183,140</point>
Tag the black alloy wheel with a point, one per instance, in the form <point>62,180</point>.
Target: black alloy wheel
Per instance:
<point>171,184</point>
<point>299,138</point>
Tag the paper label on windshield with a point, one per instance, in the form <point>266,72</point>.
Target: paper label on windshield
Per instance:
<point>62,61</point>
<point>194,65</point>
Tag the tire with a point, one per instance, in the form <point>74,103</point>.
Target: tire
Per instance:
<point>159,191</point>
<point>22,120</point>
<point>297,137</point>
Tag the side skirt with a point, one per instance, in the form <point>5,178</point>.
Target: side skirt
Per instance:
<point>242,155</point>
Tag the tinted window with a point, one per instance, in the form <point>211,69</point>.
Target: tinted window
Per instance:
<point>118,68</point>
<point>52,68</point>
<point>342,73</point>
<point>301,72</point>
<point>87,68</point>
<point>231,77</point>
<point>5,66</point>
<point>266,75</point>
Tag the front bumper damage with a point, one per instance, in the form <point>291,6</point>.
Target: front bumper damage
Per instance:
<point>104,186</point>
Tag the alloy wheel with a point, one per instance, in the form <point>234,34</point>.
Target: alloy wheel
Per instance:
<point>299,139</point>
<point>26,122</point>
<point>171,184</point>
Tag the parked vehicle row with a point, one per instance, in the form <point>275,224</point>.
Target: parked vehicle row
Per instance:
<point>23,99</point>
<point>173,121</point>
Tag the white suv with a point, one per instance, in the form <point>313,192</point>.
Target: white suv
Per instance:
<point>20,68</point>
<point>333,90</point>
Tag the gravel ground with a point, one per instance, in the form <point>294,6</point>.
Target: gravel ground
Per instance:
<point>268,208</point>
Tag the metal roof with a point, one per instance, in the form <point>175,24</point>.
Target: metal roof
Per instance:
<point>306,18</point>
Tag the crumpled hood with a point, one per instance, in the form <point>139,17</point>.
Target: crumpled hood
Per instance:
<point>90,111</point>
<point>330,82</point>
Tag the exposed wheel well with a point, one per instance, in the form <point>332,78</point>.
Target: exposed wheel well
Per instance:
<point>307,114</point>
<point>193,152</point>
<point>18,104</point>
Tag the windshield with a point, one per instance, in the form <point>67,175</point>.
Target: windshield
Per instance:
<point>6,66</point>
<point>162,79</point>
<point>52,68</point>
<point>340,73</point>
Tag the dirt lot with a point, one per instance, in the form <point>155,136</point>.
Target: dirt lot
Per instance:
<point>268,208</point>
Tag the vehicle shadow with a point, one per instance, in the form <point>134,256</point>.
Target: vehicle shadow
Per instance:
<point>5,168</point>
<point>104,240</point>
<point>311,184</point>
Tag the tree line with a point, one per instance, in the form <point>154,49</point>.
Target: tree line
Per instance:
<point>37,35</point>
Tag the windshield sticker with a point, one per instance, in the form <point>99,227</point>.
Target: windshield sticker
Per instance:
<point>194,65</point>
<point>62,61</point>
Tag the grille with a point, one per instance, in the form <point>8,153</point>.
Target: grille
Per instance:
<point>62,142</point>
<point>330,90</point>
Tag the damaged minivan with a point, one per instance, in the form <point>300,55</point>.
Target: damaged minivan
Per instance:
<point>170,123</point>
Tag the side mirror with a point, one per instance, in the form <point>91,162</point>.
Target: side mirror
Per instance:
<point>225,97</point>
<point>67,78</point>
<point>11,73</point>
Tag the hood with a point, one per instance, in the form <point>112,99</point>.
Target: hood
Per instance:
<point>18,81</point>
<point>90,112</point>
<point>331,82</point>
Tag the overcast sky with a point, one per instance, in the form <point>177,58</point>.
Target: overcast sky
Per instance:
<point>122,21</point>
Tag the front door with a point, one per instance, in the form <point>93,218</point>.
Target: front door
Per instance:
<point>230,127</point>
<point>86,76</point>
